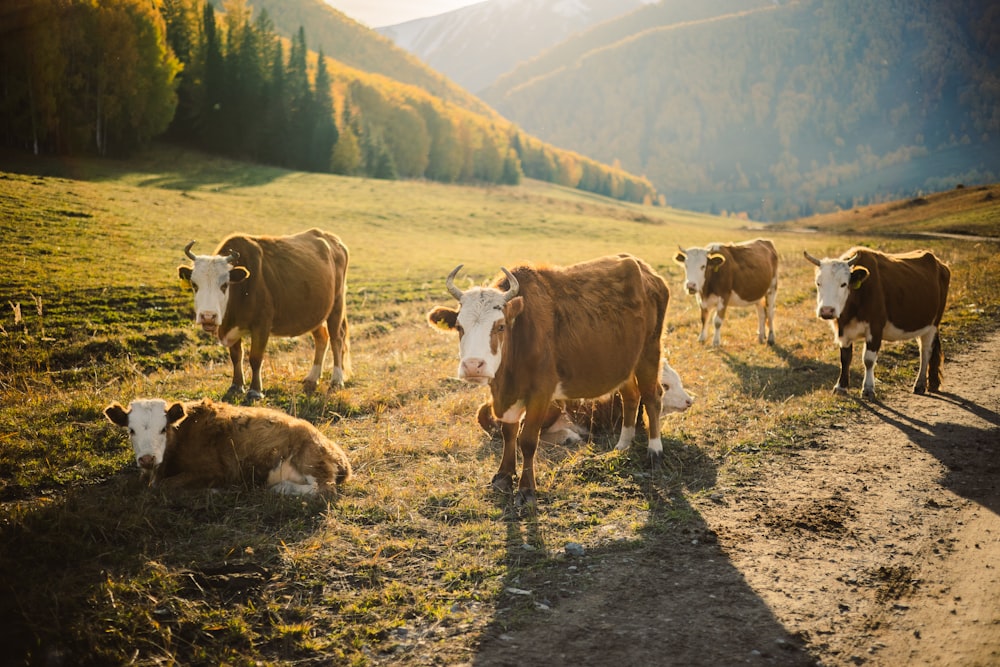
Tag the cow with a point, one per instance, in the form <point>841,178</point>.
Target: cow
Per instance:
<point>571,421</point>
<point>732,274</point>
<point>542,333</point>
<point>201,444</point>
<point>273,285</point>
<point>870,295</point>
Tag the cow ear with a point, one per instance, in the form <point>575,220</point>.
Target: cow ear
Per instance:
<point>116,414</point>
<point>716,260</point>
<point>443,318</point>
<point>175,413</point>
<point>858,275</point>
<point>680,258</point>
<point>514,308</point>
<point>238,274</point>
<point>185,273</point>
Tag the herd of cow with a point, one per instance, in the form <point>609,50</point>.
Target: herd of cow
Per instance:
<point>550,342</point>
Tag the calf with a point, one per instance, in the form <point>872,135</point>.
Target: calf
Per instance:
<point>208,445</point>
<point>732,274</point>
<point>875,296</point>
<point>570,421</point>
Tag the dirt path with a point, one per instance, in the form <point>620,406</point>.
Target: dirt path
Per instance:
<point>877,543</point>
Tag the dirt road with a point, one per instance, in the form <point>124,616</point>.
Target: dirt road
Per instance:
<point>875,543</point>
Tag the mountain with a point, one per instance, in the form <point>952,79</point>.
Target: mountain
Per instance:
<point>476,44</point>
<point>776,110</point>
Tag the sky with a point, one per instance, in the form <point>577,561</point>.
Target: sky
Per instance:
<point>377,13</point>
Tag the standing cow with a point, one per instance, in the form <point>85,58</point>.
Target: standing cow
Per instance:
<point>875,296</point>
<point>280,285</point>
<point>548,333</point>
<point>732,274</point>
<point>203,444</point>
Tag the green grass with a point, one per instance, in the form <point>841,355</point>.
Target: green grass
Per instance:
<point>416,552</point>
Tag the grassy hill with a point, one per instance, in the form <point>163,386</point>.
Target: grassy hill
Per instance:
<point>414,561</point>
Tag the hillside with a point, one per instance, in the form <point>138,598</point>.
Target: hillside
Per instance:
<point>474,45</point>
<point>781,112</point>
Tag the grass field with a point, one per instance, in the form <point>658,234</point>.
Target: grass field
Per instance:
<point>416,552</point>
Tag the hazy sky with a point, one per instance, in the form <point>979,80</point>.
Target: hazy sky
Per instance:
<point>376,13</point>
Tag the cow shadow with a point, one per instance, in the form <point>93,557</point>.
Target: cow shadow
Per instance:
<point>797,376</point>
<point>970,454</point>
<point>666,594</point>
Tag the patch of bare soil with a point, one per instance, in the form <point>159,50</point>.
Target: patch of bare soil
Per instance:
<point>875,543</point>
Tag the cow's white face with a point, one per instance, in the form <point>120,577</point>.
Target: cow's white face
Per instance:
<point>147,421</point>
<point>697,262</point>
<point>210,279</point>
<point>481,322</point>
<point>835,278</point>
<point>675,399</point>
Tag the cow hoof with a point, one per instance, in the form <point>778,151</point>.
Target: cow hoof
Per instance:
<point>919,389</point>
<point>234,391</point>
<point>309,386</point>
<point>934,387</point>
<point>502,482</point>
<point>525,499</point>
<point>655,459</point>
<point>840,391</point>
<point>253,396</point>
<point>868,394</point>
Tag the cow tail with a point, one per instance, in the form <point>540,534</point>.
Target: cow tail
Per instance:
<point>935,374</point>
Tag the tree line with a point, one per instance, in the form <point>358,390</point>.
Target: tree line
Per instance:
<point>107,77</point>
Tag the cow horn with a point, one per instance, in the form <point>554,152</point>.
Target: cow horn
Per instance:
<point>450,282</point>
<point>852,259</point>
<point>233,257</point>
<point>514,286</point>
<point>811,258</point>
<point>187,251</point>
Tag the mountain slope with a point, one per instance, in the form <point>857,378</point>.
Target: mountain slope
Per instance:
<point>476,44</point>
<point>780,111</point>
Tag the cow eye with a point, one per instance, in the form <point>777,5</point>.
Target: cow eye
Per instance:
<point>194,286</point>
<point>500,328</point>
<point>163,430</point>
<point>842,285</point>
<point>224,287</point>
<point>666,387</point>
<point>460,329</point>
<point>131,431</point>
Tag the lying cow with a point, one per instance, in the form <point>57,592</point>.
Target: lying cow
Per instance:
<point>207,445</point>
<point>280,285</point>
<point>732,274</point>
<point>571,421</point>
<point>874,296</point>
<point>541,334</point>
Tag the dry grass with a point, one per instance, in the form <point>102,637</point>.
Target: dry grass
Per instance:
<point>412,562</point>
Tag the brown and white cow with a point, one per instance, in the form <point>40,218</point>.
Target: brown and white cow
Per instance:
<point>732,274</point>
<point>548,333</point>
<point>571,421</point>
<point>874,296</point>
<point>280,285</point>
<point>210,445</point>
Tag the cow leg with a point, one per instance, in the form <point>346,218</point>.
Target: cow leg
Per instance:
<point>258,341</point>
<point>926,345</point>
<point>720,316</point>
<point>630,413</point>
<point>527,442</point>
<point>339,344</point>
<point>871,356</point>
<point>503,481</point>
<point>846,354</point>
<point>703,336</point>
<point>648,379</point>
<point>770,299</point>
<point>936,374</point>
<point>236,355</point>
<point>761,319</point>
<point>321,339</point>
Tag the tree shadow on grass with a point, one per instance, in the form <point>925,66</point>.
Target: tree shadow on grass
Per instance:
<point>99,573</point>
<point>669,596</point>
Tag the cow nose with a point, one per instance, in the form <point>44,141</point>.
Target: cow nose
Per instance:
<point>691,287</point>
<point>826,312</point>
<point>473,367</point>
<point>690,401</point>
<point>206,317</point>
<point>146,461</point>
